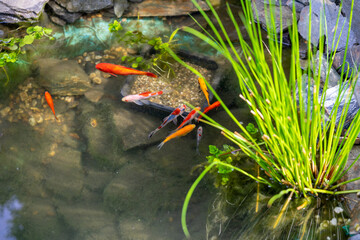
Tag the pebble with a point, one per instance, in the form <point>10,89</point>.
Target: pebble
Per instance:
<point>32,121</point>
<point>5,111</point>
<point>97,80</point>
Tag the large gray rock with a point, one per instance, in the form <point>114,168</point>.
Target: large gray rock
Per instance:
<point>352,59</point>
<point>85,5</point>
<point>356,19</point>
<point>14,11</point>
<point>259,9</point>
<point>62,13</point>
<point>327,12</point>
<point>62,77</point>
<point>334,77</point>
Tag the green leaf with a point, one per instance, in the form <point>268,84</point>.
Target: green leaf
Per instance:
<point>38,29</point>
<point>135,65</point>
<point>29,30</point>
<point>28,39</point>
<point>123,58</point>
<point>138,59</point>
<point>213,149</point>
<point>13,47</point>
<point>48,31</point>
<point>152,42</point>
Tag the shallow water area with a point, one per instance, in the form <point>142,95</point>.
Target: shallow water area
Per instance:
<point>93,173</point>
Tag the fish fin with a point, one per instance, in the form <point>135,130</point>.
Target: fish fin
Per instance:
<point>175,121</point>
<point>166,118</point>
<point>138,102</point>
<point>149,74</point>
<point>160,145</point>
<point>113,74</point>
<point>152,133</point>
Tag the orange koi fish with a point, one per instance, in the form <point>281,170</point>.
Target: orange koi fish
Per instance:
<point>204,89</point>
<point>137,97</point>
<point>50,102</point>
<point>212,106</point>
<point>182,132</point>
<point>114,69</point>
<point>189,117</point>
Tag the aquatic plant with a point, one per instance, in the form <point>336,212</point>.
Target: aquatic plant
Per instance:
<point>301,148</point>
<point>12,47</point>
<point>159,62</point>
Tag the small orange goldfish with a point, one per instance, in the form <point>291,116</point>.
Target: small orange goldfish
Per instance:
<point>114,69</point>
<point>208,108</point>
<point>204,89</point>
<point>50,102</point>
<point>179,133</point>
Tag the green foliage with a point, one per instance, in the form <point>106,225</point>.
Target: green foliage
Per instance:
<point>159,62</point>
<point>11,48</point>
<point>224,156</point>
<point>302,146</point>
<point>252,129</point>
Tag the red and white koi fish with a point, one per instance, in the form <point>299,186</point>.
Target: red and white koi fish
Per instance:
<point>171,118</point>
<point>208,108</point>
<point>179,133</point>
<point>189,117</point>
<point>114,69</point>
<point>198,138</point>
<point>136,97</point>
<point>50,102</point>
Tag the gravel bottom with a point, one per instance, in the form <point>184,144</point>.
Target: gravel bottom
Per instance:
<point>183,88</point>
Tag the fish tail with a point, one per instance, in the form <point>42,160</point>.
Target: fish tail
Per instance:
<point>152,133</point>
<point>160,145</point>
<point>149,74</point>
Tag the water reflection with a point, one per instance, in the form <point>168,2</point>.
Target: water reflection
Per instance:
<point>7,216</point>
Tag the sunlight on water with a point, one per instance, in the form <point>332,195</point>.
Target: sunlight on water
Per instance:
<point>7,216</point>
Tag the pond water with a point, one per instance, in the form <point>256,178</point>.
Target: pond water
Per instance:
<point>94,174</point>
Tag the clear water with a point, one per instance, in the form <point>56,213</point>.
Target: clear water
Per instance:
<point>94,174</point>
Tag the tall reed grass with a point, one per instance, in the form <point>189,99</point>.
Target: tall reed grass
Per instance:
<point>301,148</point>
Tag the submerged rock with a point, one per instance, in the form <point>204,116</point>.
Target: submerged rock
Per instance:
<point>60,167</point>
<point>20,10</point>
<point>62,77</point>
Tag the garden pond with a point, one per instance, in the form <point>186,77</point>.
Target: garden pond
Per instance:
<point>94,174</point>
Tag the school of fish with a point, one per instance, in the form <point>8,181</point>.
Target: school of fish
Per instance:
<point>183,129</point>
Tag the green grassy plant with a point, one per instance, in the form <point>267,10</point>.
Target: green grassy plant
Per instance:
<point>12,47</point>
<point>298,148</point>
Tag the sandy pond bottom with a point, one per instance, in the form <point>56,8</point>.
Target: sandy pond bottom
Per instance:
<point>183,88</point>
